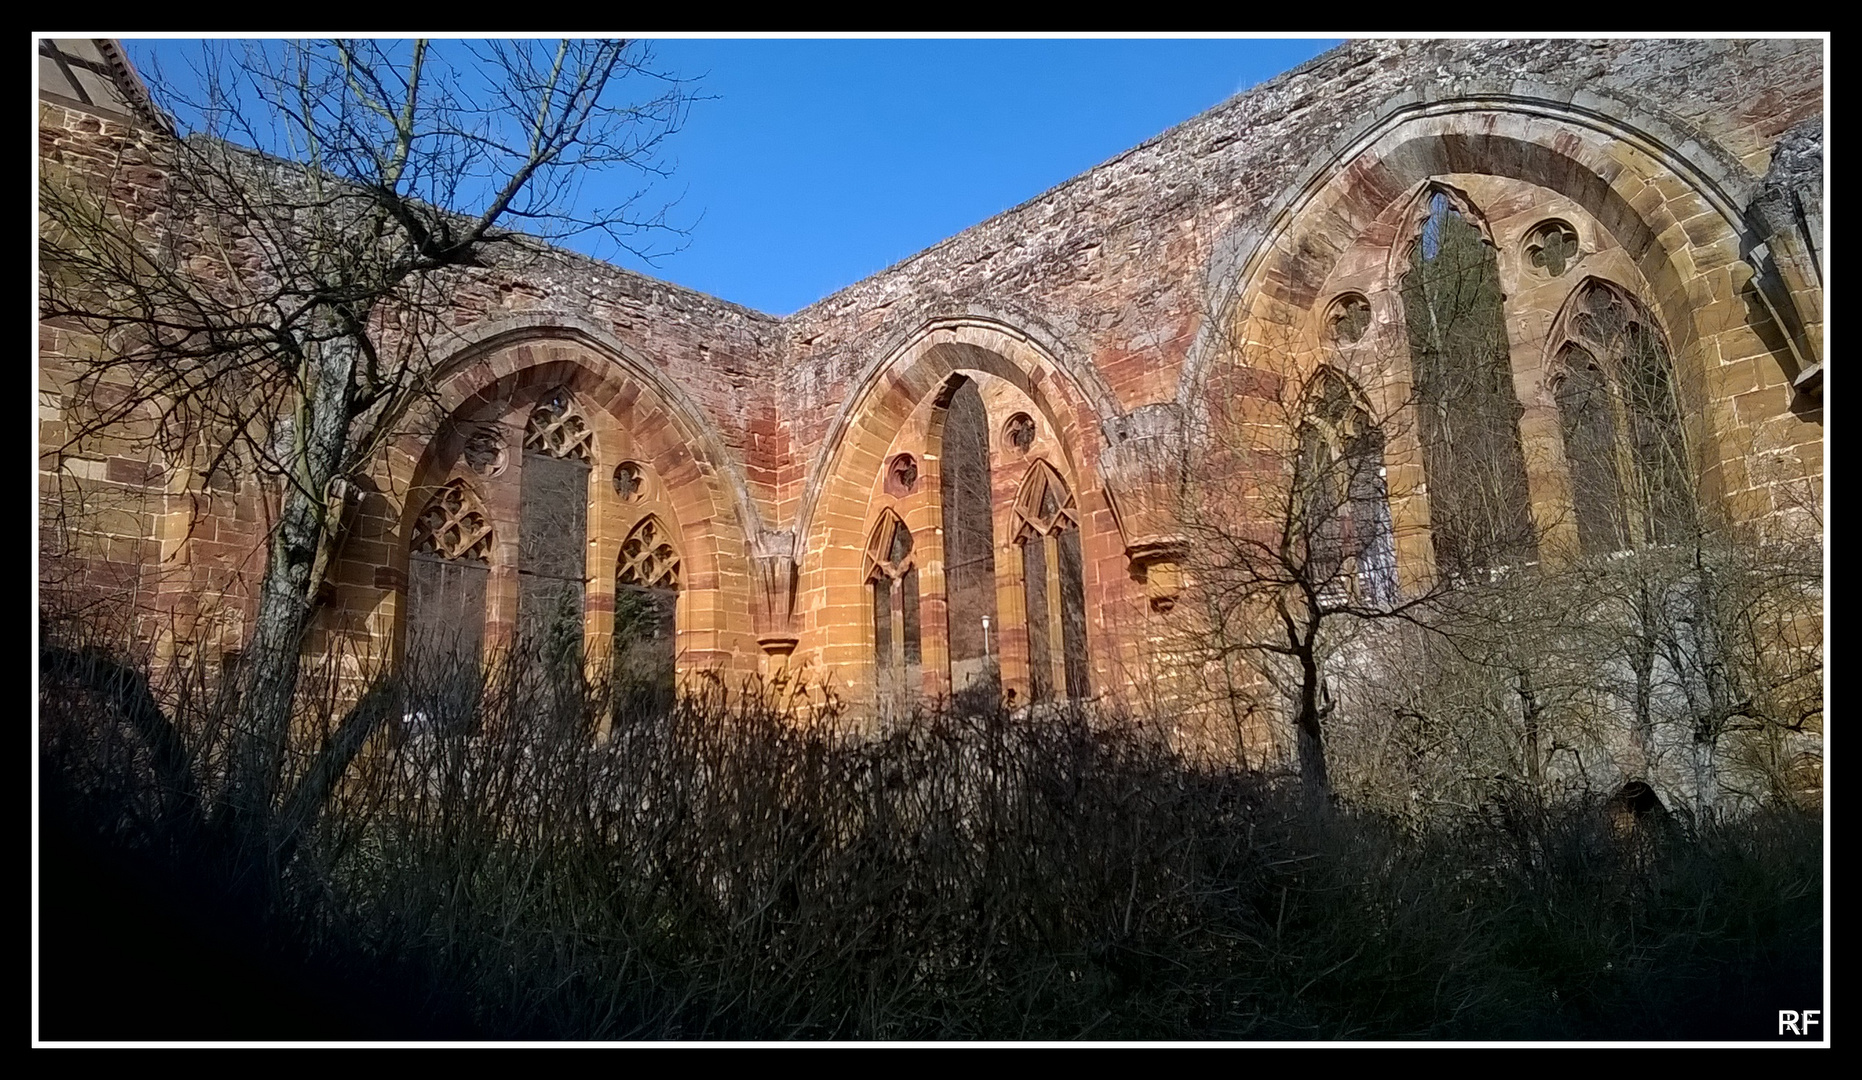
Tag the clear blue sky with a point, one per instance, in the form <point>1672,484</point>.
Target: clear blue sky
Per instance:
<point>811,164</point>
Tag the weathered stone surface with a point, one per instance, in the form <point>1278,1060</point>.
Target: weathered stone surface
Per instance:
<point>1180,285</point>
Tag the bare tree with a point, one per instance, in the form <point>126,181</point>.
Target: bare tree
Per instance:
<point>1290,540</point>
<point>269,280</point>
<point>1631,634</point>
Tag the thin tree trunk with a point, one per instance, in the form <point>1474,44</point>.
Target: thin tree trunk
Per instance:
<point>1313,775</point>
<point>287,590</point>
<point>1529,712</point>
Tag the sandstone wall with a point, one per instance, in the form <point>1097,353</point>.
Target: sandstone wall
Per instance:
<point>1095,304</point>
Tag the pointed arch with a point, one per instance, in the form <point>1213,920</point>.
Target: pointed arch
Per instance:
<point>1047,530</point>
<point>649,559</point>
<point>448,573</point>
<point>892,581</point>
<point>1340,496</point>
<point>452,525</point>
<point>1467,407</point>
<point>1422,223</point>
<point>1044,504</point>
<point>552,537</point>
<point>646,602</point>
<point>966,498</point>
<point>556,428</point>
<point>1625,445</point>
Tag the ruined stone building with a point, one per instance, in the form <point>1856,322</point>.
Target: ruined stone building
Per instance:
<point>968,467</point>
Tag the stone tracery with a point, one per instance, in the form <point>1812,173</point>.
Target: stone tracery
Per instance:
<point>453,526</point>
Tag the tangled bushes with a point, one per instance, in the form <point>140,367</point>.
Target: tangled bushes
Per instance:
<point>722,870</point>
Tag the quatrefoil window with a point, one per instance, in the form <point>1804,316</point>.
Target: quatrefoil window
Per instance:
<point>1019,431</point>
<point>648,560</point>
<point>556,428</point>
<point>1552,246</point>
<point>453,526</point>
<point>629,481</point>
<point>1349,318</point>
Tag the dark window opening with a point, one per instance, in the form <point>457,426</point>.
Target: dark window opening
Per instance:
<point>1053,587</point>
<point>969,538</point>
<point>1467,407</point>
<point>1348,547</point>
<point>646,597</point>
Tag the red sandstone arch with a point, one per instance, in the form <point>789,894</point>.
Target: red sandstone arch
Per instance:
<point>634,418</point>
<point>1671,215</point>
<point>834,515</point>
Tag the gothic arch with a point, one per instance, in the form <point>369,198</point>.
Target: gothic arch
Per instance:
<point>1667,203</point>
<point>1051,617</point>
<point>923,360</point>
<point>1624,442</point>
<point>1482,107</point>
<point>647,582</point>
<point>502,342</point>
<point>629,420</point>
<point>448,569</point>
<point>1529,134</point>
<point>833,514</point>
<point>1341,497</point>
<point>895,615</point>
<point>649,558</point>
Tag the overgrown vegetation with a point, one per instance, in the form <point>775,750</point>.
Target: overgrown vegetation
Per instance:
<point>513,866</point>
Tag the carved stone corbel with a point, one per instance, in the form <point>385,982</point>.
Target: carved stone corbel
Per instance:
<point>772,592</point>
<point>1142,465</point>
<point>1785,252</point>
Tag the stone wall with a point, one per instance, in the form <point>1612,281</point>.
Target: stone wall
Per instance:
<point>1113,309</point>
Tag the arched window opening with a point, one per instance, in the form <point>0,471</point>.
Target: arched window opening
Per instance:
<point>553,529</point>
<point>1467,408</point>
<point>969,542</point>
<point>892,575</point>
<point>1347,548</point>
<point>646,598</point>
<point>1587,417</point>
<point>1047,529</point>
<point>1621,424</point>
<point>447,571</point>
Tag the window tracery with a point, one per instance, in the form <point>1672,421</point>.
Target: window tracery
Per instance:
<point>447,573</point>
<point>1019,432</point>
<point>453,526</point>
<point>1348,318</point>
<point>646,597</point>
<point>484,451</point>
<point>556,428</point>
<point>902,475</point>
<point>630,481</point>
<point>648,560</point>
<point>892,578</point>
<point>1552,246</point>
<point>1047,520</point>
<point>1341,499</point>
<point>1621,423</point>
<point>553,527</point>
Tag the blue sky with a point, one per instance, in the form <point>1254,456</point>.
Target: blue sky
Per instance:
<point>810,164</point>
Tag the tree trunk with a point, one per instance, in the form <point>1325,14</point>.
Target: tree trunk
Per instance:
<point>286,592</point>
<point>1313,776</point>
<point>1706,779</point>
<point>1529,712</point>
